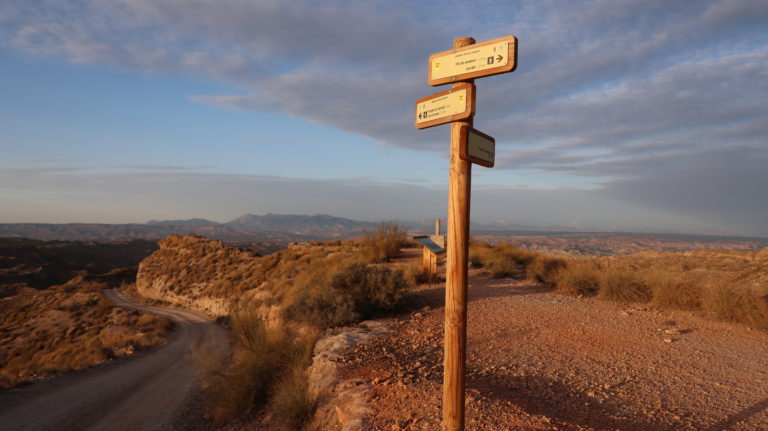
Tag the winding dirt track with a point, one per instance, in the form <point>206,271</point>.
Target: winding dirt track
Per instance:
<point>147,392</point>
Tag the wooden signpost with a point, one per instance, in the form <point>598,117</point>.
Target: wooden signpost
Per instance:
<point>475,60</point>
<point>455,104</point>
<point>461,66</point>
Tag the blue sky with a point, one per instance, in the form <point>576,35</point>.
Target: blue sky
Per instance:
<point>638,115</point>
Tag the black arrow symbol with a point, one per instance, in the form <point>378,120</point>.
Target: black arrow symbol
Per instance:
<point>499,58</point>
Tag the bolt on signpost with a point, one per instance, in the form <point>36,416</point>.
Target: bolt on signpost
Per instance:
<point>460,66</point>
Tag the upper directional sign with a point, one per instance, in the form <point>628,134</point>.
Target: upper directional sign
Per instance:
<point>477,147</point>
<point>473,61</point>
<point>455,104</point>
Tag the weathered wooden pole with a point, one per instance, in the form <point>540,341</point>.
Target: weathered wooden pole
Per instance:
<point>454,363</point>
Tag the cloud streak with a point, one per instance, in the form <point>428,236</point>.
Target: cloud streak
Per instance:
<point>661,103</point>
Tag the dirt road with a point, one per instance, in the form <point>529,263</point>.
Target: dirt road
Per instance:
<point>538,360</point>
<point>146,392</point>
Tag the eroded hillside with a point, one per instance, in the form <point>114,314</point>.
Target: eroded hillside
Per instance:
<point>208,276</point>
<point>68,327</point>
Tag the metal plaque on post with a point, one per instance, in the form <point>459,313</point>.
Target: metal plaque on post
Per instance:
<point>477,147</point>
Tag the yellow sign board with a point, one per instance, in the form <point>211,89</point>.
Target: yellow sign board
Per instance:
<point>473,61</point>
<point>477,147</point>
<point>447,106</point>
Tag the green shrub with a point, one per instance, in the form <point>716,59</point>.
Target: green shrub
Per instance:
<point>374,289</point>
<point>358,291</point>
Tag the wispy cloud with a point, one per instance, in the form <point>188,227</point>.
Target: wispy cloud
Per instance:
<point>664,102</point>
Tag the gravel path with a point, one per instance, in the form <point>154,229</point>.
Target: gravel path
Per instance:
<point>541,360</point>
<point>147,392</point>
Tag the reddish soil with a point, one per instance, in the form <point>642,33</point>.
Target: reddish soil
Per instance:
<point>541,360</point>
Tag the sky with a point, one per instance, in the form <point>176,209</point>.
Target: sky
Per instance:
<point>632,115</point>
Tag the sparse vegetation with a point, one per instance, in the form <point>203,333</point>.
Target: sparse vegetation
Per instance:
<point>66,328</point>
<point>623,285</point>
<point>385,242</point>
<point>268,369</point>
<point>578,278</point>
<point>308,287</point>
<point>414,274</point>
<point>503,260</point>
<point>40,264</point>
<point>544,269</point>
<point>355,292</point>
<point>726,285</point>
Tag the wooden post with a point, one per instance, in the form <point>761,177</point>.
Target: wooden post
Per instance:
<point>426,264</point>
<point>456,276</point>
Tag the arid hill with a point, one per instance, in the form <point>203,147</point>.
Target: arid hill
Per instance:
<point>616,244</point>
<point>209,276</point>
<point>68,327</point>
<point>39,264</point>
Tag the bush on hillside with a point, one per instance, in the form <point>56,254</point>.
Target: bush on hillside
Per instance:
<point>358,291</point>
<point>578,278</point>
<point>673,291</point>
<point>731,302</point>
<point>623,285</point>
<point>544,268</point>
<point>503,260</point>
<point>385,242</point>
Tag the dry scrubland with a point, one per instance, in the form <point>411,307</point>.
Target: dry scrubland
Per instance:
<point>68,327</point>
<point>725,285</point>
<point>276,307</point>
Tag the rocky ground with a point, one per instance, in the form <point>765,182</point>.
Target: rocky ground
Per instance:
<point>541,360</point>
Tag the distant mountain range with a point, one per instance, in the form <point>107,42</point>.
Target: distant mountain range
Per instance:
<point>273,231</point>
<point>250,227</point>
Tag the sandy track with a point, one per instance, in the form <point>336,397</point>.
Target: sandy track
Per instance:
<point>146,392</point>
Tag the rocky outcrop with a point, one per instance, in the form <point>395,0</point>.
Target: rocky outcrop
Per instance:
<point>197,273</point>
<point>209,276</point>
<point>340,403</point>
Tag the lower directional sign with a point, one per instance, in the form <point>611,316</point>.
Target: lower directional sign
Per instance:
<point>477,147</point>
<point>448,106</point>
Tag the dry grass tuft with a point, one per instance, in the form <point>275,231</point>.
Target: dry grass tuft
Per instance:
<point>544,269</point>
<point>732,302</point>
<point>414,274</point>
<point>503,260</point>
<point>578,278</point>
<point>385,242</point>
<point>669,290</point>
<point>623,285</point>
<point>267,369</point>
<point>727,285</point>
